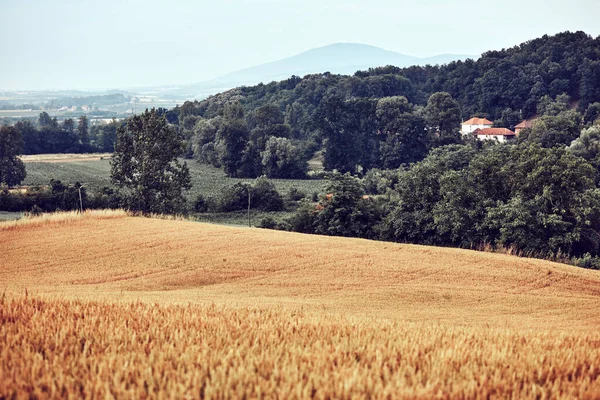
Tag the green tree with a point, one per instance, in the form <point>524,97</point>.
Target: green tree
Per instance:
<point>587,145</point>
<point>45,121</point>
<point>232,138</point>
<point>145,164</point>
<point>553,130</point>
<point>405,138</point>
<point>344,211</point>
<point>443,117</point>
<point>281,159</point>
<point>83,132</point>
<point>108,136</point>
<point>68,125</point>
<point>12,169</point>
<point>592,114</point>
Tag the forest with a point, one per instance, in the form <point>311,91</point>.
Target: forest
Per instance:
<point>389,141</point>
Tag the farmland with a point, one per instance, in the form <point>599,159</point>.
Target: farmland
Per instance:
<point>95,173</point>
<point>132,307</point>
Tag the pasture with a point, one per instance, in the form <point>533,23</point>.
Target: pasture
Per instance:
<point>95,173</point>
<point>103,304</point>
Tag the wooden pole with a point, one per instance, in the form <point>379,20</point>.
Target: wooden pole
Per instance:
<point>80,200</point>
<point>249,206</point>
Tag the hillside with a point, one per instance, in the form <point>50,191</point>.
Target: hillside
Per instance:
<point>338,58</point>
<point>511,80</point>
<point>129,258</point>
<point>107,305</point>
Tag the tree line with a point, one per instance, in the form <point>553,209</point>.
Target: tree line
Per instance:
<point>47,135</point>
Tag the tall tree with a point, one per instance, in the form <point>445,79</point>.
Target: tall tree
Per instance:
<point>145,164</point>
<point>68,125</point>
<point>233,136</point>
<point>83,132</point>
<point>443,116</point>
<point>46,121</point>
<point>12,169</point>
<point>406,139</point>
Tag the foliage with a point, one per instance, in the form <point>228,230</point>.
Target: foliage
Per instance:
<point>261,195</point>
<point>145,163</point>
<point>443,117</point>
<point>12,169</point>
<point>345,211</point>
<point>281,159</point>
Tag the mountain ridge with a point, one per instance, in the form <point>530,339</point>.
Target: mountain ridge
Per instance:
<point>339,58</point>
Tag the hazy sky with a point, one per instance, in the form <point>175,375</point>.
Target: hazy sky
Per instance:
<point>103,44</point>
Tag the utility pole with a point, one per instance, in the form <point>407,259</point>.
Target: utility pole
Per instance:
<point>249,206</point>
<point>80,199</point>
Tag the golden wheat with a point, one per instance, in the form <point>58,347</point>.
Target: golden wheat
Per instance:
<point>154,308</point>
<point>60,217</point>
<point>98,350</point>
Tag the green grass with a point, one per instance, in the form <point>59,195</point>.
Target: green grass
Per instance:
<point>240,218</point>
<point>9,216</point>
<point>206,180</point>
<point>94,174</point>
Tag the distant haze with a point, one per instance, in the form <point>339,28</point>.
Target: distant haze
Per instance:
<point>85,44</point>
<point>340,58</point>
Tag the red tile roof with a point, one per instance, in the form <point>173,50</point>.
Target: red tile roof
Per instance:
<point>494,131</point>
<point>478,121</point>
<point>525,124</point>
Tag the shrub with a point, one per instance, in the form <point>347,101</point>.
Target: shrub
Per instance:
<point>233,198</point>
<point>267,223</point>
<point>200,205</point>
<point>586,261</point>
<point>295,195</point>
<point>265,197</point>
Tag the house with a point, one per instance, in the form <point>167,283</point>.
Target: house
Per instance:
<point>499,134</point>
<point>524,125</point>
<point>473,124</point>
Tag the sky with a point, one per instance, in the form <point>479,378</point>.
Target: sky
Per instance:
<point>97,45</point>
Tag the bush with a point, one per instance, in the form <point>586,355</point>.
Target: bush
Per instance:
<point>303,219</point>
<point>265,197</point>
<point>587,261</point>
<point>295,195</point>
<point>200,205</point>
<point>233,198</point>
<point>267,223</point>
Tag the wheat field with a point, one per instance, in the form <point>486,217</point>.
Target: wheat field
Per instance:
<point>116,306</point>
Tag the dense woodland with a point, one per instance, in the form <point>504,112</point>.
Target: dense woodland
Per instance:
<point>401,170</point>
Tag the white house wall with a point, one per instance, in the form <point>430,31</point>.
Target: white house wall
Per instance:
<point>466,129</point>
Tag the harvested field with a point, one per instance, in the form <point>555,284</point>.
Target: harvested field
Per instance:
<point>137,307</point>
<point>62,158</point>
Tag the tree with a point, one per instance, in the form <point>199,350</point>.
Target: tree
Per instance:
<point>281,159</point>
<point>443,116</point>
<point>145,164</point>
<point>233,138</point>
<point>406,139</point>
<point>108,136</point>
<point>83,132</point>
<point>553,130</point>
<point>12,169</point>
<point>46,121</point>
<point>592,114</point>
<point>344,211</point>
<point>68,125</point>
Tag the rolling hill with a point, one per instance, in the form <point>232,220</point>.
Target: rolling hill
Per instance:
<point>338,58</point>
<point>108,305</point>
<point>180,261</point>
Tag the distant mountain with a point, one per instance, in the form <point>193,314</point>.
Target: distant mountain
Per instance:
<point>339,58</point>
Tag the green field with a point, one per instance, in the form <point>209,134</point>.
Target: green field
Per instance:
<point>206,180</point>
